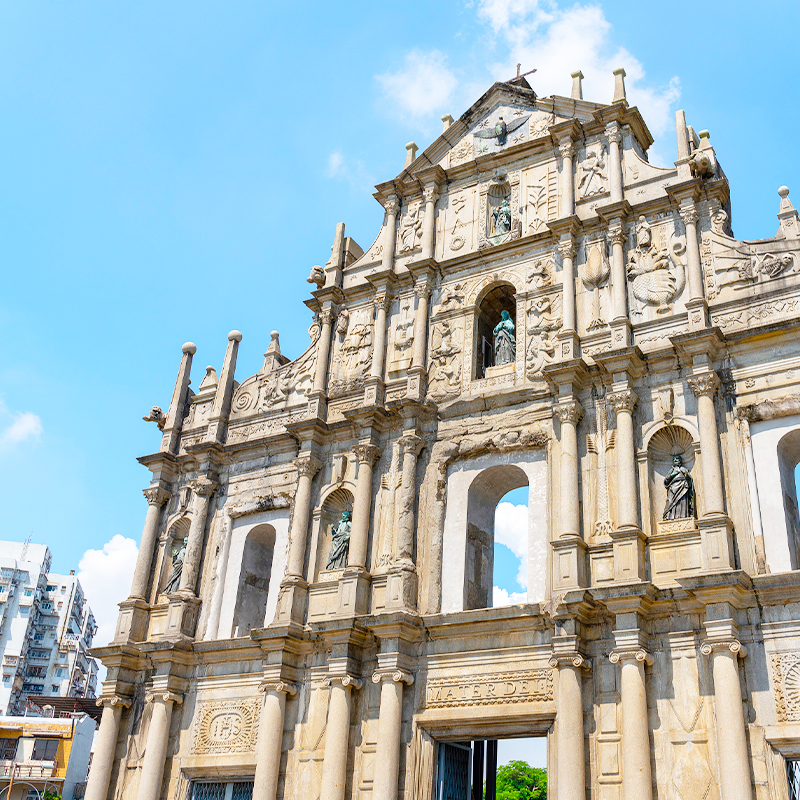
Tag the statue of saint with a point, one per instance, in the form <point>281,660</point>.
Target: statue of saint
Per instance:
<point>501,218</point>
<point>680,491</point>
<point>505,342</point>
<point>340,543</point>
<point>178,557</point>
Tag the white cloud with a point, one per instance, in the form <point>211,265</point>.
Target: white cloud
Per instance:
<point>106,576</point>
<point>500,597</point>
<point>335,164</point>
<point>511,529</point>
<point>25,426</point>
<point>352,171</point>
<point>421,87</point>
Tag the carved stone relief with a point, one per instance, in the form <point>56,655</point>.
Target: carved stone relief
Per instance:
<point>599,442</point>
<point>786,680</point>
<point>451,297</point>
<point>353,352</point>
<point>402,335</point>
<point>544,320</point>
<point>498,212</point>
<point>459,221</point>
<point>226,727</point>
<point>541,197</point>
<point>595,274</point>
<point>510,687</point>
<point>540,123</point>
<point>445,359</point>
<point>503,128</point>
<point>592,171</point>
<point>410,231</point>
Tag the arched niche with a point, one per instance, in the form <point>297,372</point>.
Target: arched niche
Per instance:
<point>491,303</point>
<point>177,531</point>
<point>788,459</point>
<point>328,515</point>
<point>254,580</point>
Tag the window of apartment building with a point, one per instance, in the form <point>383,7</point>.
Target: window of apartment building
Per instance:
<point>28,592</point>
<point>54,688</point>
<point>60,672</point>
<point>6,679</point>
<point>50,587</point>
<point>45,750</point>
<point>239,790</point>
<point>37,637</point>
<point>8,748</point>
<point>47,606</point>
<point>23,611</point>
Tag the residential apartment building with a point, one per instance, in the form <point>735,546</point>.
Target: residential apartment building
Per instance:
<point>46,628</point>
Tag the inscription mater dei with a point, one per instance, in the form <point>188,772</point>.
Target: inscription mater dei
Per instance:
<point>526,686</point>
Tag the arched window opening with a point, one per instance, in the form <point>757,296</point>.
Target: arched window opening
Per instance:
<point>490,312</point>
<point>485,494</point>
<point>510,583</point>
<point>788,461</point>
<point>251,597</point>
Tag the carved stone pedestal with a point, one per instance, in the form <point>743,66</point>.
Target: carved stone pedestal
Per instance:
<point>716,542</point>
<point>698,313</point>
<point>620,333</point>
<point>629,555</point>
<point>374,392</point>
<point>401,587</point>
<point>132,623</point>
<point>569,563</point>
<point>353,598</point>
<point>181,615</point>
<point>567,345</point>
<point>317,405</point>
<point>292,601</point>
<point>415,389</point>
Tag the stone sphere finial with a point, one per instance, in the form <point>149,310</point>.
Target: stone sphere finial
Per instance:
<point>190,348</point>
<point>783,191</point>
<point>274,334</point>
<point>235,336</point>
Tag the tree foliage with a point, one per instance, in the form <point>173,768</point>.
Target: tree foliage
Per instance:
<point>517,780</point>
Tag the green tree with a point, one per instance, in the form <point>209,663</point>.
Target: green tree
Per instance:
<point>517,780</point>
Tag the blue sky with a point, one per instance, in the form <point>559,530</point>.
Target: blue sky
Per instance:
<point>171,171</point>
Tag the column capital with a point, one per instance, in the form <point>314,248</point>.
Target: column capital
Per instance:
<point>367,453</point>
<point>422,287</point>
<point>566,146</point>
<point>326,315</point>
<point>723,646</point>
<point>570,411</point>
<point>623,401</point>
<point>163,697</point>
<point>616,232</point>
<point>114,700</point>
<point>705,384</point>
<point>396,675</point>
<point>430,193</point>
<point>688,214</point>
<point>392,205</point>
<point>156,495</point>
<point>204,487</point>
<point>574,659</point>
<point>347,681</point>
<point>566,248</point>
<point>638,654</point>
<point>307,465</point>
<point>614,132</point>
<point>411,443</point>
<point>281,687</point>
<point>382,301</point>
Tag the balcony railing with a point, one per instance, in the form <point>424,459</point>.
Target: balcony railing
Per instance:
<point>44,769</point>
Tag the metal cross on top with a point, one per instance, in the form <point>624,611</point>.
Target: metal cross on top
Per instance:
<point>518,76</point>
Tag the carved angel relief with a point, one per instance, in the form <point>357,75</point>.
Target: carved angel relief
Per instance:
<point>544,320</point>
<point>353,354</point>
<point>410,231</point>
<point>403,336</point>
<point>592,171</point>
<point>445,359</point>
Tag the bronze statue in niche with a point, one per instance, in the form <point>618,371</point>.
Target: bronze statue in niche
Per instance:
<point>680,492</point>
<point>340,543</point>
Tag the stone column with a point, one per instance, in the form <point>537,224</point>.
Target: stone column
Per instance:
<point>616,233</point>
<point>637,781</point>
<point>307,467</point>
<point>387,752</point>
<point>203,489</point>
<point>171,433</point>
<point>411,446</point>
<point>571,764</point>
<point>705,387</point>
<point>323,353</point>
<point>422,290</point>
<point>392,206</point>
<point>105,747</point>
<point>567,149</point>
<point>156,747</point>
<point>569,412</point>
<point>430,196</point>
<point>367,455</point>
<point>732,754</point>
<point>212,627</point>
<point>337,738</point>
<point>694,269</point>
<point>614,136</point>
<point>623,403</point>
<point>567,250</point>
<point>156,497</point>
<point>270,739</point>
<point>382,301</point>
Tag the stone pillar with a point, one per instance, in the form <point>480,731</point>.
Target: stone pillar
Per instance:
<point>623,403</point>
<point>569,412</point>
<point>156,497</point>
<point>688,214</point>
<point>323,353</point>
<point>567,250</point>
<point>212,627</point>
<point>567,149</point>
<point>367,455</point>
<point>337,738</point>
<point>307,467</point>
<point>616,233</point>
<point>105,747</point>
<point>203,489</point>
<point>422,290</point>
<point>411,446</point>
<point>571,764</point>
<point>430,196</point>
<point>220,411</point>
<point>705,387</point>
<point>387,752</point>
<point>392,206</point>
<point>732,754</point>
<point>637,781</point>
<point>171,433</point>
<point>382,301</point>
<point>270,739</point>
<point>156,747</point>
<point>614,136</point>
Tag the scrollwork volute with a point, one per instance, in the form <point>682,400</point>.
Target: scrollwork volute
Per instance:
<point>156,495</point>
<point>396,675</point>
<point>637,654</point>
<point>689,215</point>
<point>569,412</point>
<point>705,385</point>
<point>623,401</point>
<point>732,645</point>
<point>367,453</point>
<point>307,465</point>
<point>616,233</point>
<point>566,249</point>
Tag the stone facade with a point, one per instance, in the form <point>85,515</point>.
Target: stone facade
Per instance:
<point>659,656</point>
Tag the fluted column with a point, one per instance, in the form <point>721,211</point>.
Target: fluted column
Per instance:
<point>623,403</point>
<point>422,289</point>
<point>571,763</point>
<point>567,149</point>
<point>614,136</point>
<point>616,234</point>
<point>567,251</point>
<point>411,446</point>
<point>569,412</point>
<point>705,387</point>
<point>392,206</point>
<point>688,214</point>
<point>324,351</point>
<point>337,738</point>
<point>203,489</point>
<point>307,467</point>
<point>156,497</point>
<point>156,747</point>
<point>733,756</point>
<point>382,301</point>
<point>430,196</point>
<point>270,739</point>
<point>637,781</point>
<point>387,752</point>
<point>105,747</point>
<point>367,455</point>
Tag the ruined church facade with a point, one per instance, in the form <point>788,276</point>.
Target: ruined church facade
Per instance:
<point>311,612</point>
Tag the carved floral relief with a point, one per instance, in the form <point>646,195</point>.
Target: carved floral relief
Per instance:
<point>226,727</point>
